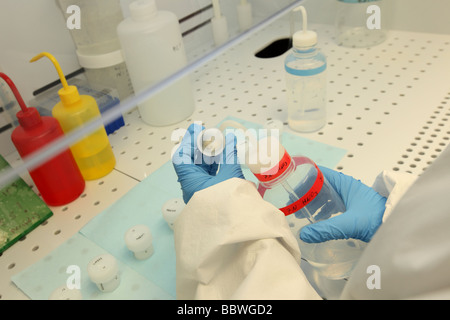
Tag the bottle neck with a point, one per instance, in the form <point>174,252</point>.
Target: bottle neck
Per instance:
<point>305,52</point>
<point>279,179</point>
<point>145,16</point>
<point>143,10</point>
<point>29,119</point>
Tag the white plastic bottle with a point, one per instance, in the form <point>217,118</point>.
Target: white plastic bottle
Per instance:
<point>306,81</point>
<point>153,49</point>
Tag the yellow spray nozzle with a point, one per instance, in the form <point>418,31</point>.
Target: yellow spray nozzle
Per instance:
<point>69,94</point>
<point>55,63</point>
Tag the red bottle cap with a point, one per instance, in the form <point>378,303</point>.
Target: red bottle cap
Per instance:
<point>29,118</point>
<point>276,171</point>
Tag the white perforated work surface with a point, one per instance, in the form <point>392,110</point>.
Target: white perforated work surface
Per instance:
<point>388,106</point>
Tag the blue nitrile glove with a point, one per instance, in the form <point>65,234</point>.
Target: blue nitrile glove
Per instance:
<point>196,173</point>
<point>364,214</point>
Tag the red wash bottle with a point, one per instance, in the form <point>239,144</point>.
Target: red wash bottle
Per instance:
<point>59,179</point>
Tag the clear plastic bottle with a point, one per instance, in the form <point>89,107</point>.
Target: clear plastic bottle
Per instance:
<point>298,188</point>
<point>98,47</point>
<point>306,81</point>
<point>360,23</point>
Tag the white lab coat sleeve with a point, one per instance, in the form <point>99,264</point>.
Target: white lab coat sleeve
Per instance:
<point>392,185</point>
<point>231,244</point>
<point>409,256</point>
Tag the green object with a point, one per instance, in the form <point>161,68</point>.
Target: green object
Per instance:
<point>21,210</point>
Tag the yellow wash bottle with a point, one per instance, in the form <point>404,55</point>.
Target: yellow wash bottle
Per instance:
<point>93,154</point>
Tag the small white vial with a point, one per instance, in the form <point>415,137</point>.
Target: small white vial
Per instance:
<point>104,272</point>
<point>171,209</point>
<point>64,293</point>
<point>139,240</point>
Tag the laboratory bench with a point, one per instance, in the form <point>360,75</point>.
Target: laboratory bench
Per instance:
<point>388,107</point>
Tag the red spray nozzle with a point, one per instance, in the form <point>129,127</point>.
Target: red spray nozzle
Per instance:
<point>15,91</point>
<point>28,117</point>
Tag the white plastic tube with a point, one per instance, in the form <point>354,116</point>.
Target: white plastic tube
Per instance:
<point>216,8</point>
<point>219,25</point>
<point>245,17</point>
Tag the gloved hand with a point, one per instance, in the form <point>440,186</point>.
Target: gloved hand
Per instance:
<point>364,214</point>
<point>196,173</point>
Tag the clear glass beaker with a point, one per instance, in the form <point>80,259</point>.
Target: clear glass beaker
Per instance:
<point>360,23</point>
<point>98,46</point>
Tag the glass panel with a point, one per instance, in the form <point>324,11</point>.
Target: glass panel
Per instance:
<point>264,13</point>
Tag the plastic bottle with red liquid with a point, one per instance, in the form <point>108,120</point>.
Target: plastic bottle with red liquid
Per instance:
<point>59,179</point>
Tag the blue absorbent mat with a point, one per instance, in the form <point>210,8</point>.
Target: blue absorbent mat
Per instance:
<point>153,278</point>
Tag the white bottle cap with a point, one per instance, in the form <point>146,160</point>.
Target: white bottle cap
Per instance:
<point>171,210</point>
<point>143,9</point>
<point>103,270</point>
<point>211,142</point>
<point>139,240</point>
<point>304,38</point>
<point>266,157</point>
<point>64,293</point>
